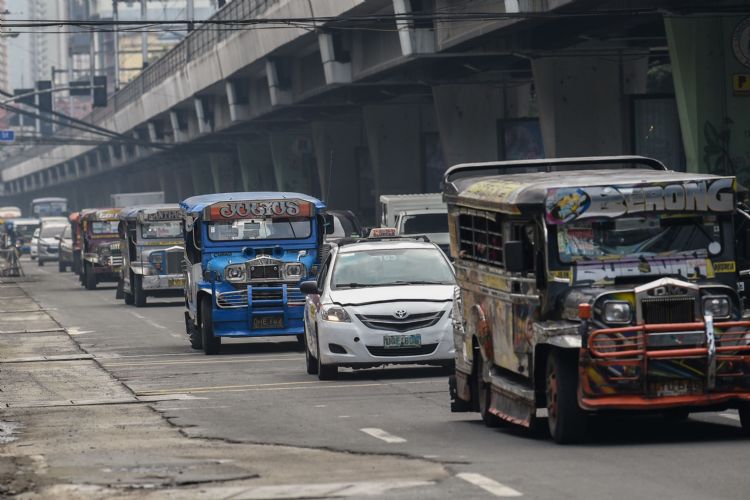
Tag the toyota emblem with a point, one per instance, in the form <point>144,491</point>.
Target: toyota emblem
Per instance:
<point>400,314</point>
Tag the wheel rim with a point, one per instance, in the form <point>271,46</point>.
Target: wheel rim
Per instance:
<point>552,395</point>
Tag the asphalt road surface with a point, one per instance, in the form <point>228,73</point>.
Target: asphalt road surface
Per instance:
<point>258,392</point>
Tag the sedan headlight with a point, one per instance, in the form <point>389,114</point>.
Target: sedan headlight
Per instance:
<point>235,273</point>
<point>617,312</point>
<point>335,313</point>
<point>717,306</point>
<point>293,271</point>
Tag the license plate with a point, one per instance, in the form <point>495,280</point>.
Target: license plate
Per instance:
<point>676,388</point>
<point>396,341</point>
<point>176,282</point>
<point>267,322</point>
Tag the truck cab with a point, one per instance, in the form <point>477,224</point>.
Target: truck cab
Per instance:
<point>246,255</point>
<point>151,243</point>
<point>592,285</point>
<point>417,215</point>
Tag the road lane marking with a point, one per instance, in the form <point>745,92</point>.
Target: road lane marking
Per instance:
<point>730,416</point>
<point>74,330</point>
<point>383,435</point>
<point>148,321</point>
<point>274,386</point>
<point>314,490</point>
<point>489,485</point>
<point>203,362</point>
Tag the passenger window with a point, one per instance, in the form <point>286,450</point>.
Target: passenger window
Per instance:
<point>525,232</point>
<point>481,237</point>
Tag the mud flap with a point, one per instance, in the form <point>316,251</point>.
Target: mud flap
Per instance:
<point>119,294</point>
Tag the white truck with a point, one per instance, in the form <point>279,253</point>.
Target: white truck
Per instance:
<point>122,200</point>
<point>417,214</point>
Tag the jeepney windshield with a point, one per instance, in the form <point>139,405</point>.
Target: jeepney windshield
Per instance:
<point>644,236</point>
<point>104,227</point>
<point>391,267</point>
<point>260,229</point>
<point>162,229</point>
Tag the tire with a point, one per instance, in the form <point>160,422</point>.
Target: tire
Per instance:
<point>194,334</point>
<point>211,345</point>
<point>139,296</point>
<point>483,393</point>
<point>326,372</point>
<point>89,277</point>
<point>311,361</point>
<point>566,420</point>
<point>40,262</point>
<point>744,412</point>
<point>129,299</point>
<point>76,265</point>
<point>61,266</point>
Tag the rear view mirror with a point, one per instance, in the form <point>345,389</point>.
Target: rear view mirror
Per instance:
<point>309,288</point>
<point>514,256</point>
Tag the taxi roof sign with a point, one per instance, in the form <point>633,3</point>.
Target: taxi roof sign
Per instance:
<point>382,232</point>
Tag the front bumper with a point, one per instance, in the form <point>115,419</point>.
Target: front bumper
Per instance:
<point>234,314</point>
<point>701,365</point>
<point>364,346</point>
<point>166,282</point>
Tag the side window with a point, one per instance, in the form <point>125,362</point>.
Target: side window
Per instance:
<point>324,272</point>
<point>481,237</point>
<point>525,232</point>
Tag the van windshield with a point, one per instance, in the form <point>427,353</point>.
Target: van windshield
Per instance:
<point>164,229</point>
<point>424,223</point>
<point>647,236</point>
<point>260,229</point>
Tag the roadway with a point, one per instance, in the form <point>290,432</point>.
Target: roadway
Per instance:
<point>258,392</point>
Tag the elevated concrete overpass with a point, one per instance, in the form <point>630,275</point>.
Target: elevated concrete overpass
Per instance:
<point>349,110</point>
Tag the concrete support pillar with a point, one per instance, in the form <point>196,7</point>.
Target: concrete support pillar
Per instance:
<point>336,68</point>
<point>256,166</point>
<point>336,147</point>
<point>711,68</point>
<point>582,105</point>
<point>179,127</point>
<point>238,99</point>
<point>203,114</point>
<point>200,172</point>
<point>294,162</point>
<point>222,172</point>
<point>413,40</point>
<point>279,86</point>
<point>394,141</point>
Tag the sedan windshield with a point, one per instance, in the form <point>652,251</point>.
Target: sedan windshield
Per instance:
<point>50,231</point>
<point>260,229</point>
<point>391,267</point>
<point>647,236</point>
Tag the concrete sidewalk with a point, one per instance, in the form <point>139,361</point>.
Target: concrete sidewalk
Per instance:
<point>68,429</point>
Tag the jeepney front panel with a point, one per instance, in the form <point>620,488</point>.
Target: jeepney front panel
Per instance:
<point>254,257</point>
<point>158,252</point>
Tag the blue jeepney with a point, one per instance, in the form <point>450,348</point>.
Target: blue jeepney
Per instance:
<point>247,254</point>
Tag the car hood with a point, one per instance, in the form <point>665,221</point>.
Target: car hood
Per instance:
<point>48,241</point>
<point>374,295</point>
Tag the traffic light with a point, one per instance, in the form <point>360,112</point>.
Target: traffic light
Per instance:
<point>100,91</point>
<point>44,98</point>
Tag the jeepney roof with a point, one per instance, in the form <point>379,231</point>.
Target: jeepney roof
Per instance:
<point>506,192</point>
<point>49,198</point>
<point>196,204</point>
<point>102,214</point>
<point>25,222</point>
<point>132,212</point>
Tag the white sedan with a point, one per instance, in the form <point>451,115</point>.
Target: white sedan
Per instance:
<point>34,245</point>
<point>379,302</point>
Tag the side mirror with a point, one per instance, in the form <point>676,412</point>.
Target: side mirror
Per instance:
<point>309,288</point>
<point>514,256</point>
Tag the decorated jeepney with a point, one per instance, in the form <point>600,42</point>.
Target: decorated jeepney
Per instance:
<point>591,285</point>
<point>100,246</point>
<point>247,254</point>
<point>151,243</point>
<point>70,251</point>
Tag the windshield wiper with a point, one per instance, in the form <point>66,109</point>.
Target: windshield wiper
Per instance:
<point>417,282</point>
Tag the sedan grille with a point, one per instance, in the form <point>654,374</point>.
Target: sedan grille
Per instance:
<point>402,351</point>
<point>660,310</point>
<point>391,323</point>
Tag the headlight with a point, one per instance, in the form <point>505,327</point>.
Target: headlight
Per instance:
<point>717,306</point>
<point>335,313</point>
<point>235,273</point>
<point>616,312</point>
<point>293,271</point>
<point>104,251</point>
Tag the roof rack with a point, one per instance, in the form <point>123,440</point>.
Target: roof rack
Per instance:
<point>465,170</point>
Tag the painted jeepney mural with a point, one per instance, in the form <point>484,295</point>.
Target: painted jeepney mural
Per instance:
<point>595,284</point>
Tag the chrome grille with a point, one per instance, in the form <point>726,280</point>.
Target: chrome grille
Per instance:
<point>232,300</point>
<point>264,268</point>
<point>114,261</point>
<point>660,310</point>
<point>294,297</point>
<point>391,323</point>
<point>173,264</point>
<point>263,293</point>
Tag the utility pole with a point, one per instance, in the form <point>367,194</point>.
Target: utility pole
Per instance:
<point>144,34</point>
<point>190,14</point>
<point>116,34</point>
